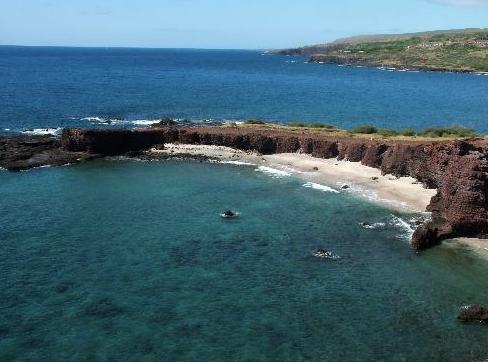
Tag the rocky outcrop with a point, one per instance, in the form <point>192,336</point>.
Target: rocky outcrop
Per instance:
<point>22,153</point>
<point>457,169</point>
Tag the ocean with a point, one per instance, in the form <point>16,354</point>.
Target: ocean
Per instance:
<point>121,259</point>
<point>48,88</point>
<point>127,260</point>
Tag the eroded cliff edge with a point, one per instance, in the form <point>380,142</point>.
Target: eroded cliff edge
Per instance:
<point>457,169</point>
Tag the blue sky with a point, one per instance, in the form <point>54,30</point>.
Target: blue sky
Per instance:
<point>241,24</point>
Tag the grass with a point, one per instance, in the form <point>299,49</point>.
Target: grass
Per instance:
<point>368,130</point>
<point>429,132</point>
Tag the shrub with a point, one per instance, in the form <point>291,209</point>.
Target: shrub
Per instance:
<point>297,124</point>
<point>386,132</point>
<point>322,125</point>
<point>408,132</point>
<point>254,121</point>
<point>365,129</point>
<point>448,132</point>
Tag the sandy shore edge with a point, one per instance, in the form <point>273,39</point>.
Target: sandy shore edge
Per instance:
<point>400,193</point>
<point>404,193</point>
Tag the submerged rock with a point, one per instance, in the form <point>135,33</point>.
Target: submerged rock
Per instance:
<point>473,313</point>
<point>324,254</point>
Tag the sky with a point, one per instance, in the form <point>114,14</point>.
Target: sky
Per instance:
<point>224,24</point>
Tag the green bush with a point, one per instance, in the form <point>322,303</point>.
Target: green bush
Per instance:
<point>448,132</point>
<point>254,121</point>
<point>365,129</point>
<point>408,132</point>
<point>386,132</point>
<point>297,124</point>
<point>321,125</point>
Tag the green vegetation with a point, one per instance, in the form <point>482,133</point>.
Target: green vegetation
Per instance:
<point>462,50</point>
<point>368,129</point>
<point>386,132</point>
<point>365,129</point>
<point>321,125</point>
<point>407,132</point>
<point>448,132</point>
<point>430,132</point>
<point>254,121</point>
<point>310,125</point>
<point>296,124</point>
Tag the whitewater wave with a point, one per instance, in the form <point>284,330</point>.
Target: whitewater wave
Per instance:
<point>376,225</point>
<point>145,122</point>
<point>239,163</point>
<point>273,172</point>
<point>43,131</point>
<point>399,223</point>
<point>312,185</point>
<point>101,120</point>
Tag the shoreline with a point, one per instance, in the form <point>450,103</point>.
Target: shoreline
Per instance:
<point>404,194</point>
<point>401,193</point>
<point>456,168</point>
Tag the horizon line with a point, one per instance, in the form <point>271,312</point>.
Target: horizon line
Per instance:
<point>131,47</point>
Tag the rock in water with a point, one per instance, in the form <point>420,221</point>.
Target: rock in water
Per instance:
<point>473,313</point>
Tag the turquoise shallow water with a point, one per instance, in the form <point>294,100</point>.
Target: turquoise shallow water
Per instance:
<point>124,260</point>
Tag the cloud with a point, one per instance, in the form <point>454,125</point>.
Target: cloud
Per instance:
<point>461,2</point>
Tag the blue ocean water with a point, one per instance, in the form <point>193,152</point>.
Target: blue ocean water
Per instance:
<point>62,87</point>
<point>125,260</point>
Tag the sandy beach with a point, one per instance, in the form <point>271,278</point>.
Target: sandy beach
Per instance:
<point>404,193</point>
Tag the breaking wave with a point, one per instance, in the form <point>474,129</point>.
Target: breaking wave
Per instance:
<point>401,224</point>
<point>239,163</point>
<point>273,172</point>
<point>320,187</point>
<point>43,131</point>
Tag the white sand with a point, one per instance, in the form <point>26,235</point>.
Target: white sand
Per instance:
<point>401,193</point>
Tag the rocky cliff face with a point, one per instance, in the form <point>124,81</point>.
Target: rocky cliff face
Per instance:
<point>457,169</point>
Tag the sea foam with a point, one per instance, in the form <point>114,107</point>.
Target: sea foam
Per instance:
<point>273,172</point>
<point>239,163</point>
<point>320,187</point>
<point>43,131</point>
<point>145,122</point>
<point>403,225</point>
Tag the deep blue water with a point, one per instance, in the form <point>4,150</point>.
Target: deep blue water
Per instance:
<point>124,260</point>
<point>58,87</point>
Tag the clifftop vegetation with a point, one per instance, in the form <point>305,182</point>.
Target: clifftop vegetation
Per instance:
<point>454,50</point>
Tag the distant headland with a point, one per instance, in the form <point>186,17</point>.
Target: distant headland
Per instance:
<point>463,50</point>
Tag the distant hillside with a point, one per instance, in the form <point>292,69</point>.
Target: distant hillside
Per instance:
<point>448,50</point>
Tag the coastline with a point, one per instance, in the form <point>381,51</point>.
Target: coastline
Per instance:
<point>455,168</point>
<point>400,193</point>
<point>323,59</point>
<point>403,194</point>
